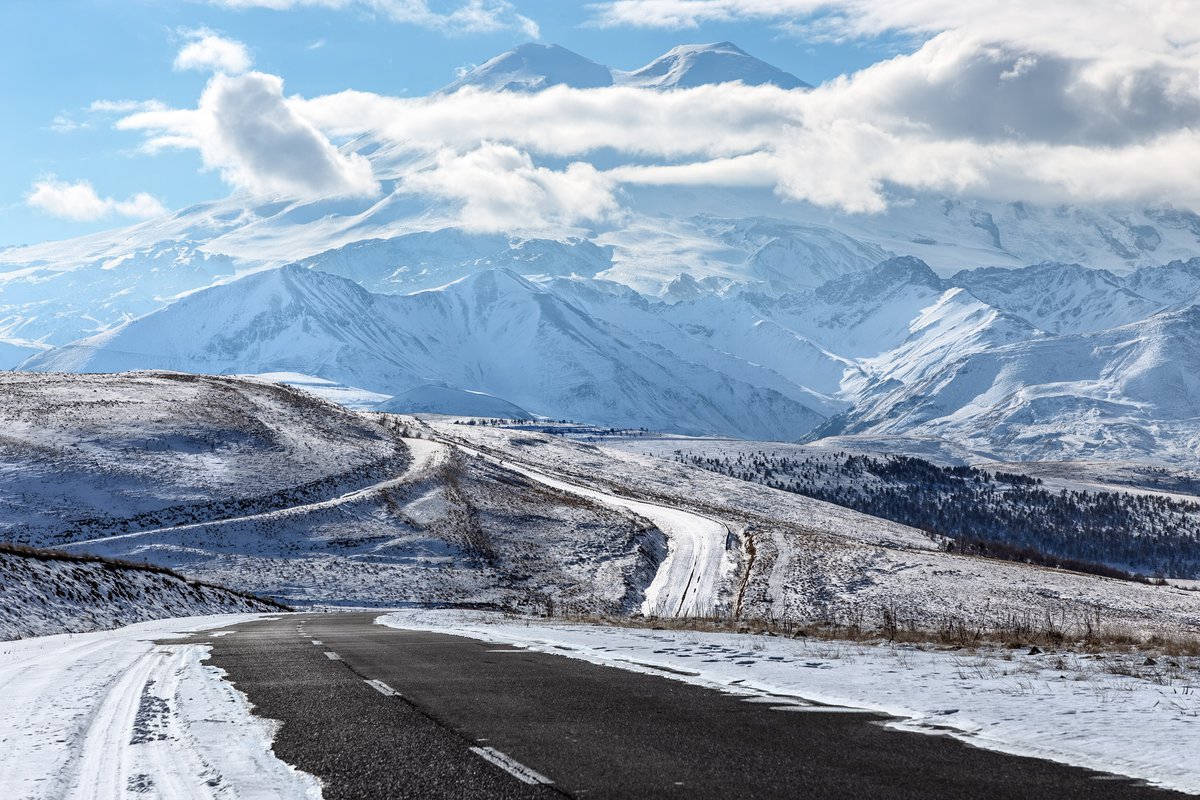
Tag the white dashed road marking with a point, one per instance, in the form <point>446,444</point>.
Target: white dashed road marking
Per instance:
<point>382,688</point>
<point>512,767</point>
<point>332,656</point>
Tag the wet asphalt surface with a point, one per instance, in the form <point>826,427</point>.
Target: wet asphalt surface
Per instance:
<point>592,731</point>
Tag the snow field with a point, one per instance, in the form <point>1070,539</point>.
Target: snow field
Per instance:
<point>103,715</point>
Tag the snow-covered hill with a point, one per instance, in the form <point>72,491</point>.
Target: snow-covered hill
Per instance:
<point>44,593</point>
<point>480,514</point>
<point>107,454</point>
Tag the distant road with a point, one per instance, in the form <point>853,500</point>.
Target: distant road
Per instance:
<point>689,580</point>
<point>381,713</point>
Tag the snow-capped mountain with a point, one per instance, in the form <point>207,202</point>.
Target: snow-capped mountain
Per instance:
<point>428,259</point>
<point>53,301</point>
<point>494,332</point>
<point>1059,298</point>
<point>533,67</point>
<point>880,352</point>
<point>700,64</point>
<point>1128,393</point>
<point>678,313</point>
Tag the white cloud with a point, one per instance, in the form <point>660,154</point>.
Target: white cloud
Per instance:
<point>501,189</point>
<point>124,106</point>
<point>66,123</point>
<point>471,16</point>
<point>79,201</point>
<point>1045,108</point>
<point>245,128</point>
<point>210,52</point>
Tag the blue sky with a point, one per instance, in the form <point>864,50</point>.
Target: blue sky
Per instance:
<point>57,58</point>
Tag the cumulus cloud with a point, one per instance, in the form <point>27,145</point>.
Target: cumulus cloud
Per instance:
<point>245,128</point>
<point>208,51</point>
<point>1026,67</point>
<point>472,16</point>
<point>79,201</point>
<point>1013,101</point>
<point>500,189</point>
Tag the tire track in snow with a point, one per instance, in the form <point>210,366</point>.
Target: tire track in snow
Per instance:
<point>117,715</point>
<point>689,580</point>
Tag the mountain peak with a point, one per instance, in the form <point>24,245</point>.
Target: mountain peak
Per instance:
<point>906,269</point>
<point>532,67</point>
<point>690,65</point>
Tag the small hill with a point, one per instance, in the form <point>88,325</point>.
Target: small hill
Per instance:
<point>43,592</point>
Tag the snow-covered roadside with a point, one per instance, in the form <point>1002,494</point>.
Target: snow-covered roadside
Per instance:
<point>100,715</point>
<point>1063,707</point>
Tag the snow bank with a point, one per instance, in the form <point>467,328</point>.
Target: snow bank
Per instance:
<point>100,715</point>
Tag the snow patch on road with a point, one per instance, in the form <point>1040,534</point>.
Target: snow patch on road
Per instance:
<point>1074,709</point>
<point>111,714</point>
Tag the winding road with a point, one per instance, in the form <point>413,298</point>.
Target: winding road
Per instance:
<point>689,580</point>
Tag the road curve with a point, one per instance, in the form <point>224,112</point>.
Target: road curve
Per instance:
<point>689,580</point>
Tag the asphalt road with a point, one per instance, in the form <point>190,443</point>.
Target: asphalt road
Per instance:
<point>547,726</point>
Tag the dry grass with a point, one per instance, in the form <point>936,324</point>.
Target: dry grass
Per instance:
<point>115,564</point>
<point>1013,632</point>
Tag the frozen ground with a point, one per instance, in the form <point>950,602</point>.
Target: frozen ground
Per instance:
<point>1112,713</point>
<point>117,714</point>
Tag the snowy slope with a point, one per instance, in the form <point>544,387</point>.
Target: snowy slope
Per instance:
<point>804,559</point>
<point>58,301</point>
<point>102,453</point>
<point>44,593</point>
<point>699,64</point>
<point>1173,284</point>
<point>266,489</point>
<point>1060,298</point>
<point>1127,393</point>
<point>446,400</point>
<point>428,259</point>
<point>14,351</point>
